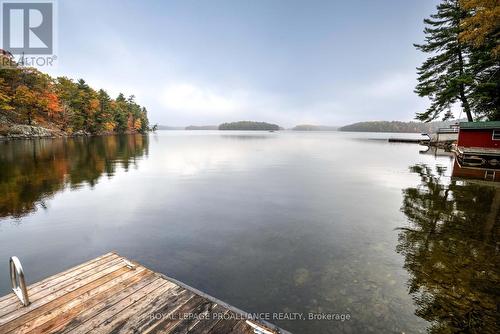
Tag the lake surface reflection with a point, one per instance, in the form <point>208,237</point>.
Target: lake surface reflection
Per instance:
<point>269,222</point>
<point>451,251</point>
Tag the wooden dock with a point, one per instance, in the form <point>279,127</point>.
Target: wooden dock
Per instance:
<point>111,294</point>
<point>407,140</point>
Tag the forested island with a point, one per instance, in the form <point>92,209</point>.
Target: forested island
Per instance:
<point>34,104</point>
<point>248,125</point>
<point>396,126</point>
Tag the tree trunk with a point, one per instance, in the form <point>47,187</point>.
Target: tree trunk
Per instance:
<point>465,103</point>
<point>463,98</point>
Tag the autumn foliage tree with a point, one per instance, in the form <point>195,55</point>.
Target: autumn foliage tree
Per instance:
<point>28,96</point>
<point>5,96</point>
<point>25,102</point>
<point>480,32</point>
<point>483,25</point>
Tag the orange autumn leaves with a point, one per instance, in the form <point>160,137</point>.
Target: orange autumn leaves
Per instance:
<point>482,24</point>
<point>28,96</point>
<point>30,102</point>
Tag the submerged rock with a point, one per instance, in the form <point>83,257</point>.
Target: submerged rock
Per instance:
<point>301,276</point>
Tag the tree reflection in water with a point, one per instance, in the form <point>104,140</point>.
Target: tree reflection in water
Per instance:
<point>34,170</point>
<point>451,250</point>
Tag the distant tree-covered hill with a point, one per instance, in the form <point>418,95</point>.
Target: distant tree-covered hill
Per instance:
<point>202,127</point>
<point>396,126</point>
<point>248,125</point>
<point>310,127</point>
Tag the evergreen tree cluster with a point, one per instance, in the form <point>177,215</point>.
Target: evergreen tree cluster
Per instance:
<point>28,96</point>
<point>397,126</point>
<point>249,125</point>
<point>464,64</point>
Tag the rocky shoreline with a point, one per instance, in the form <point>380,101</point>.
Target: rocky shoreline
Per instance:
<point>21,131</point>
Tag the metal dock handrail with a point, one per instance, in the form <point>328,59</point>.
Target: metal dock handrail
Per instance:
<point>17,280</point>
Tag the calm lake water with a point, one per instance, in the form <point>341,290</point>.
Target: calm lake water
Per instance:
<point>269,222</point>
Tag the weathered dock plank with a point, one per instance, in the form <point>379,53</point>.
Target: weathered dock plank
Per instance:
<point>51,281</point>
<point>62,314</point>
<point>91,309</point>
<point>205,325</point>
<point>111,294</point>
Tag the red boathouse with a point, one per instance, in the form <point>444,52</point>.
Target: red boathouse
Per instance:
<point>479,145</point>
<point>479,134</point>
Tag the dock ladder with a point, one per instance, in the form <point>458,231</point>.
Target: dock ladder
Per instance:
<point>17,280</point>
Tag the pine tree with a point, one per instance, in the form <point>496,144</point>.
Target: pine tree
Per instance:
<point>103,112</point>
<point>485,95</point>
<point>445,77</point>
<point>144,120</point>
<point>120,113</point>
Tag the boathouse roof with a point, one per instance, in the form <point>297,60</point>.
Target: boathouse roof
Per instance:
<point>480,125</point>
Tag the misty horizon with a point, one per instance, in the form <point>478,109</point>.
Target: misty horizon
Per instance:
<point>287,63</point>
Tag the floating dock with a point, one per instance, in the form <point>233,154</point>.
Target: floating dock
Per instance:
<point>406,140</point>
<point>111,294</point>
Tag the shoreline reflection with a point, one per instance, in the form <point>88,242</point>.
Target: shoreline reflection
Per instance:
<point>35,170</point>
<point>450,249</point>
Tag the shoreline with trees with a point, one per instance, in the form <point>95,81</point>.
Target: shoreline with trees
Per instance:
<point>35,105</point>
<point>397,126</point>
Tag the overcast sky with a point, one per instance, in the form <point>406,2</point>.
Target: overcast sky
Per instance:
<point>288,62</point>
